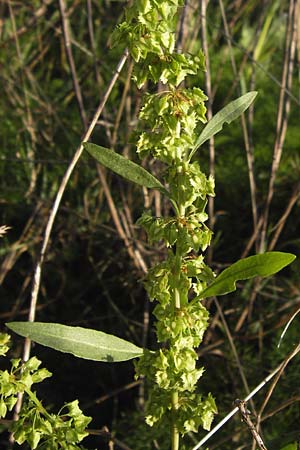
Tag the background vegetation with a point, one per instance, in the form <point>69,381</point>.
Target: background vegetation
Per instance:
<point>90,275</point>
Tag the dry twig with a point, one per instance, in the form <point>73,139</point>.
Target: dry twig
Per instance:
<point>283,110</point>
<point>252,393</point>
<point>55,207</point>
<point>211,204</point>
<point>67,41</point>
<point>245,413</point>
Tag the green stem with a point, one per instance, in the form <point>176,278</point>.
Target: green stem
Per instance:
<point>177,304</point>
<point>175,434</point>
<point>175,396</point>
<point>38,404</point>
<point>177,298</point>
<point>181,208</point>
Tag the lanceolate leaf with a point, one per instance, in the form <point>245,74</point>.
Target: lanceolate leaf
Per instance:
<point>124,167</point>
<point>81,342</point>
<point>227,114</point>
<point>262,265</point>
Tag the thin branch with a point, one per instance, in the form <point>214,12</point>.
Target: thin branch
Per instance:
<point>287,325</point>
<point>92,40</point>
<point>111,394</point>
<point>38,269</point>
<point>67,41</point>
<point>211,201</point>
<point>282,221</point>
<point>273,385</point>
<point>256,63</point>
<point>122,105</point>
<point>282,120</point>
<point>257,389</point>
<point>283,111</point>
<point>37,14</point>
<point>284,405</point>
<point>252,238</point>
<point>248,148</point>
<point>246,418</point>
<point>104,432</point>
<point>30,234</point>
<point>133,252</point>
<point>27,118</point>
<point>250,153</point>
<point>182,33</point>
<point>249,307</point>
<point>233,349</point>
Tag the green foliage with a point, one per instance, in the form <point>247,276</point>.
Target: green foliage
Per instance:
<point>81,342</point>
<point>4,343</point>
<point>35,425</point>
<point>123,166</point>
<point>50,431</point>
<point>148,32</point>
<point>173,119</point>
<point>227,114</point>
<point>262,265</point>
<point>19,380</point>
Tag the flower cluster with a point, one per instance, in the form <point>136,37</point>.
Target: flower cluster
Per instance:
<point>36,425</point>
<point>170,119</point>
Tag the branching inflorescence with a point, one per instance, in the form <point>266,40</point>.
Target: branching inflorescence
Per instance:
<point>171,117</point>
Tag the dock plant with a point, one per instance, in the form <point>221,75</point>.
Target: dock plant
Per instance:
<point>174,128</point>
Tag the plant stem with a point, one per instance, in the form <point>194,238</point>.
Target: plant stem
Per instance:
<point>175,434</point>
<point>38,404</point>
<point>177,298</point>
<point>175,396</point>
<point>177,304</point>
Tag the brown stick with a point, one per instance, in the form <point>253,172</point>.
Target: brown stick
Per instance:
<point>285,404</point>
<point>133,253</point>
<point>27,118</point>
<point>274,383</point>
<point>92,40</point>
<point>282,120</point>
<point>122,106</point>
<point>252,238</point>
<point>283,112</point>
<point>248,149</point>
<point>211,201</point>
<point>55,207</point>
<point>67,41</point>
<point>281,222</point>
<point>241,404</point>
<point>233,349</point>
<point>36,15</point>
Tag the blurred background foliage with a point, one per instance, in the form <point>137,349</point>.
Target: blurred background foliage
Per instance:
<point>89,278</point>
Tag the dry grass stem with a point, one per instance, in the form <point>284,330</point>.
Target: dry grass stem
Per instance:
<point>55,207</point>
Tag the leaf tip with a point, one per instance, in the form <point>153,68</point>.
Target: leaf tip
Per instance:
<point>13,325</point>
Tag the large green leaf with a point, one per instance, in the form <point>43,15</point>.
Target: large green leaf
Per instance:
<point>227,114</point>
<point>262,265</point>
<point>82,342</point>
<point>124,167</point>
